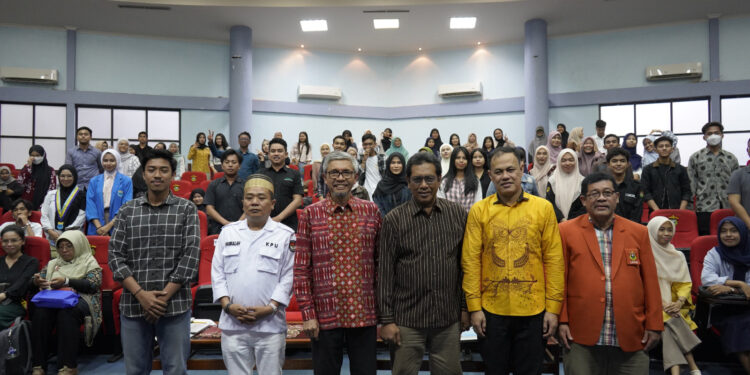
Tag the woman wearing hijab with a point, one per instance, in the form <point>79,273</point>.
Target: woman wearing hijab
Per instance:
<point>75,269</point>
<point>576,135</point>
<point>629,143</point>
<point>10,189</point>
<point>435,136</point>
<point>129,163</point>
<point>726,270</point>
<point>397,146</point>
<point>542,169</point>
<point>472,144</point>
<point>478,161</point>
<point>459,183</point>
<point>16,269</point>
<point>174,148</point>
<point>540,139</point>
<point>106,193</point>
<point>197,196</point>
<point>37,177</point>
<point>564,187</point>
<point>678,340</point>
<point>554,146</point>
<point>498,136</point>
<point>392,189</point>
<point>64,208</point>
<point>445,157</point>
<point>589,156</point>
<point>563,134</point>
<point>200,155</point>
<point>649,151</point>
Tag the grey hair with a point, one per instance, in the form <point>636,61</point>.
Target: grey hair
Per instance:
<point>340,155</point>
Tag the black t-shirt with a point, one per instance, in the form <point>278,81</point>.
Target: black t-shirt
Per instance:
<point>226,199</point>
<point>286,183</point>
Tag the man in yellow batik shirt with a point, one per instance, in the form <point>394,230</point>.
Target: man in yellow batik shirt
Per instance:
<point>513,271</point>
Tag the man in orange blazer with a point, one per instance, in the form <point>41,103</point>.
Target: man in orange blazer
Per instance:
<point>612,313</point>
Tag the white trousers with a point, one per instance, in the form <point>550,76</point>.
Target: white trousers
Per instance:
<point>243,350</point>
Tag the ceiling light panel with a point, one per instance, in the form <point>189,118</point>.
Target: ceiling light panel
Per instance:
<point>313,25</point>
<point>385,23</point>
<point>463,22</point>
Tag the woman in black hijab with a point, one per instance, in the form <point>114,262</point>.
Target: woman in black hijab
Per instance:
<point>392,190</point>
<point>435,136</point>
<point>64,208</point>
<point>37,177</point>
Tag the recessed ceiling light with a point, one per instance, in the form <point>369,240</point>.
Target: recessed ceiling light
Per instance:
<point>359,49</point>
<point>479,43</point>
<point>385,23</point>
<point>420,48</point>
<point>313,25</point>
<point>463,22</point>
<point>301,46</point>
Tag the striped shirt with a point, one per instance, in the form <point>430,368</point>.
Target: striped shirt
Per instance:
<point>608,333</point>
<point>155,245</point>
<point>335,263</point>
<point>420,265</point>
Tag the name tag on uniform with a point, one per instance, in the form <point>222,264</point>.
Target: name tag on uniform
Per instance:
<point>633,259</point>
<point>232,243</point>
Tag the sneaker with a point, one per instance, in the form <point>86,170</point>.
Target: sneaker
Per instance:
<point>38,370</point>
<point>695,372</point>
<point>67,371</point>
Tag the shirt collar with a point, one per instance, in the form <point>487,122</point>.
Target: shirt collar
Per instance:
<point>331,206</point>
<point>268,227</point>
<point>521,198</point>
<point>171,199</point>
<point>415,209</point>
<point>658,163</point>
<point>611,226</point>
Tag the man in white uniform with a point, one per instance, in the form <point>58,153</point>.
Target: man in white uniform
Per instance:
<point>252,274</point>
<point>372,164</point>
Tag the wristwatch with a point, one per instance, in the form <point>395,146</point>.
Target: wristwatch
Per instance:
<point>226,308</point>
<point>273,307</point>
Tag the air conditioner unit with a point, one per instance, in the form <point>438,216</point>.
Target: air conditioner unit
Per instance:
<point>460,89</point>
<point>318,92</point>
<point>674,71</point>
<point>28,75</point>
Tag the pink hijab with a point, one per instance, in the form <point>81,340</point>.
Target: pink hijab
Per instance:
<point>553,151</point>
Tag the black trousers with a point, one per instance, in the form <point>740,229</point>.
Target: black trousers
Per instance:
<point>513,343</point>
<point>68,324</point>
<point>328,351</point>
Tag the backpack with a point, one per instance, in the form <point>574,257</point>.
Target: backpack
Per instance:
<point>15,349</point>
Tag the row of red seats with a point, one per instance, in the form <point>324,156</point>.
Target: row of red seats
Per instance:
<point>687,224</point>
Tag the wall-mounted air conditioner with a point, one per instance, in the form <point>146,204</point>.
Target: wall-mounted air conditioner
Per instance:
<point>460,89</point>
<point>318,92</point>
<point>28,75</point>
<point>674,71</point>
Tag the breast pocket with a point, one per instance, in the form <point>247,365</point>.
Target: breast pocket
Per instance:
<point>269,260</point>
<point>231,259</point>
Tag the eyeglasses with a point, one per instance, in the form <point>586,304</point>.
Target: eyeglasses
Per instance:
<point>596,194</point>
<point>417,180</point>
<point>336,174</point>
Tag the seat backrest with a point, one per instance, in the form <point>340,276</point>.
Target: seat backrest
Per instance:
<point>36,216</point>
<point>204,185</point>
<point>686,223</point>
<point>717,216</point>
<point>310,189</point>
<point>100,244</point>
<point>217,176</point>
<point>308,172</point>
<point>293,166</point>
<point>10,166</point>
<point>698,250</point>
<point>38,248</point>
<point>207,255</point>
<point>644,216</point>
<point>193,177</point>
<point>181,189</point>
<point>203,220</point>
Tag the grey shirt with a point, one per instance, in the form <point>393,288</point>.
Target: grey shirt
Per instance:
<point>87,163</point>
<point>739,183</point>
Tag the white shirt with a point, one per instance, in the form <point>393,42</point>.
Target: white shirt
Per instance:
<point>36,228</point>
<point>372,176</point>
<point>599,141</point>
<point>252,268</point>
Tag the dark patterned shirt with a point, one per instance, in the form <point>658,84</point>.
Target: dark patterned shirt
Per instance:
<point>156,245</point>
<point>709,177</point>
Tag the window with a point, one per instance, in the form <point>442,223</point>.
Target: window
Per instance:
<point>735,116</point>
<point>110,124</point>
<point>24,125</point>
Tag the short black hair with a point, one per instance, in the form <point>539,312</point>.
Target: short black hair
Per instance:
<point>84,128</point>
<point>612,136</point>
<point>346,132</point>
<point>244,133</point>
<point>229,153</point>
<point>704,129</point>
<point>617,151</point>
<point>337,137</point>
<point>159,154</point>
<point>594,178</point>
<point>142,132</point>
<point>276,141</point>
<point>601,124</point>
<point>25,202</point>
<point>563,125</point>
<point>520,154</point>
<point>423,158</point>
<point>369,136</point>
<point>14,228</point>
<point>662,139</point>
<point>504,150</point>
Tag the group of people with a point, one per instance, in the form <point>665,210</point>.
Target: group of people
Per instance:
<point>455,236</point>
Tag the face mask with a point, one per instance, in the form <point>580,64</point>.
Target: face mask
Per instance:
<point>713,140</point>
<point>38,160</point>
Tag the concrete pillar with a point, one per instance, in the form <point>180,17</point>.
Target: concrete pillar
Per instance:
<point>240,81</point>
<point>536,101</point>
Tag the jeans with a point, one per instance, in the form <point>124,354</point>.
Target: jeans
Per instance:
<point>513,343</point>
<point>173,336</point>
<point>241,350</point>
<point>360,343</point>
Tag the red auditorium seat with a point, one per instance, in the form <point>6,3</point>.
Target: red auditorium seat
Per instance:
<point>38,247</point>
<point>308,172</point>
<point>296,168</point>
<point>207,256</point>
<point>716,217</point>
<point>644,217</point>
<point>181,189</point>
<point>204,185</point>
<point>10,166</point>
<point>217,176</point>
<point>698,250</point>
<point>686,226</point>
<point>310,188</point>
<point>203,219</point>
<point>36,216</point>
<point>292,311</point>
<point>193,177</point>
<point>100,245</point>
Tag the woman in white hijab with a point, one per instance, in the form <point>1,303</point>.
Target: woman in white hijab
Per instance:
<point>106,193</point>
<point>74,269</point>
<point>678,340</point>
<point>564,187</point>
<point>128,162</point>
<point>445,157</point>
<point>542,168</point>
